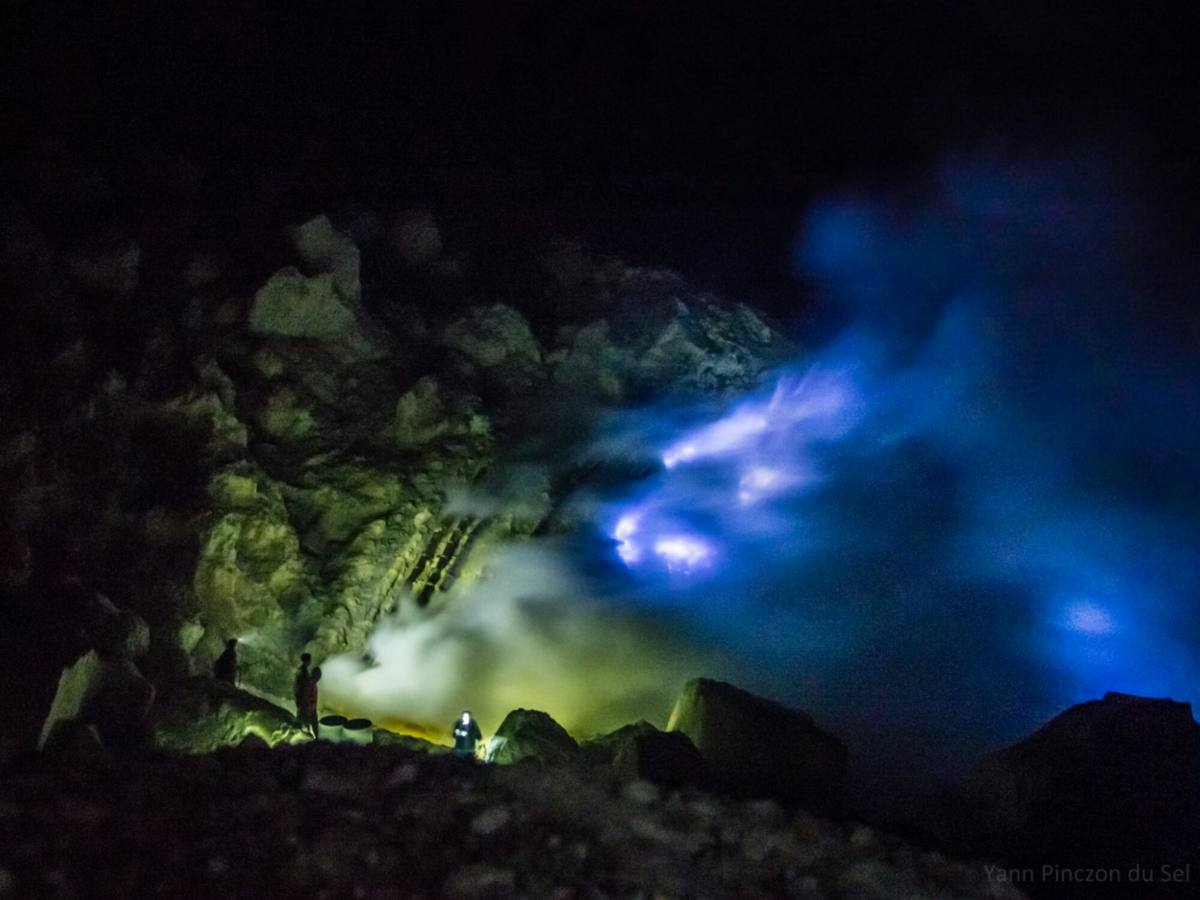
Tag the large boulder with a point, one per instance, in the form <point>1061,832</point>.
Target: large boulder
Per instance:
<point>120,707</point>
<point>324,306</point>
<point>498,340</point>
<point>110,695</point>
<point>199,715</point>
<point>759,747</point>
<point>659,336</point>
<point>530,734</point>
<point>426,412</point>
<point>327,250</point>
<point>642,751</point>
<point>118,632</point>
<point>77,684</point>
<point>1108,782</point>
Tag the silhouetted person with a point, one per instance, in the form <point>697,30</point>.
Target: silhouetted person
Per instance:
<point>299,681</point>
<point>466,735</point>
<point>225,668</point>
<point>308,702</point>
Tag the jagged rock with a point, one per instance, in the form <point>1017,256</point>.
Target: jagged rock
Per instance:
<point>325,306</point>
<point>761,747</point>
<point>292,304</point>
<point>383,738</point>
<point>285,418</point>
<point>338,501</point>
<point>77,684</point>
<point>236,487</point>
<point>121,703</point>
<point>664,337</point>
<point>423,414</point>
<point>1108,782</point>
<point>204,419</point>
<point>531,734</point>
<point>327,250</point>
<point>199,716</point>
<point>75,743</point>
<point>269,363</point>
<point>249,576</point>
<point>642,751</point>
<point>420,415</point>
<point>498,339</point>
<point>118,633</point>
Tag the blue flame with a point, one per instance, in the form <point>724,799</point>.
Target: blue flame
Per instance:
<point>978,498</point>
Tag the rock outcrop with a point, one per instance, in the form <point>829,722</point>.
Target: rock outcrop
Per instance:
<point>642,751</point>
<point>531,734</point>
<point>757,746</point>
<point>658,335</point>
<point>1111,782</point>
<point>498,340</point>
<point>109,695</point>
<point>325,306</point>
<point>273,458</point>
<point>200,716</point>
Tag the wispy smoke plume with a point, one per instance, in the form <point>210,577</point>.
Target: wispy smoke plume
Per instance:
<point>977,503</point>
<point>525,634</point>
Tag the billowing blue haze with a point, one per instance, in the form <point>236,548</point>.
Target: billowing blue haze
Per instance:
<point>978,502</point>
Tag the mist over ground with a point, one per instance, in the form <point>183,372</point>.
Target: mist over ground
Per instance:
<point>969,506</point>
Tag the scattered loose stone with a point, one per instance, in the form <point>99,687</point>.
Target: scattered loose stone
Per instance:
<point>491,820</point>
<point>327,820</point>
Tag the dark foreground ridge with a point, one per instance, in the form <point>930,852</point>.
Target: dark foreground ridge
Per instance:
<point>331,820</point>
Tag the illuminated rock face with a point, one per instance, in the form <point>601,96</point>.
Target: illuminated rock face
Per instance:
<point>659,338</point>
<point>273,458</point>
<point>197,716</point>
<point>325,306</point>
<point>761,747</point>
<point>530,734</point>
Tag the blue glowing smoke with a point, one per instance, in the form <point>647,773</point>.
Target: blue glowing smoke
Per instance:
<point>977,503</point>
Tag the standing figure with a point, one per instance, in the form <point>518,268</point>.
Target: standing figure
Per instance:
<point>307,706</point>
<point>225,668</point>
<point>466,735</point>
<point>301,678</point>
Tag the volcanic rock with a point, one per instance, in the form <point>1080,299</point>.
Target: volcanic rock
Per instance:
<point>498,340</point>
<point>530,734</point>
<point>199,715</point>
<point>77,684</point>
<point>642,751</point>
<point>121,704</point>
<point>1107,782</point>
<point>662,337</point>
<point>337,820</point>
<point>760,747</point>
<point>324,306</point>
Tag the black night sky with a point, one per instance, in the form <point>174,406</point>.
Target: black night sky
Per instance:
<point>711,130</point>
